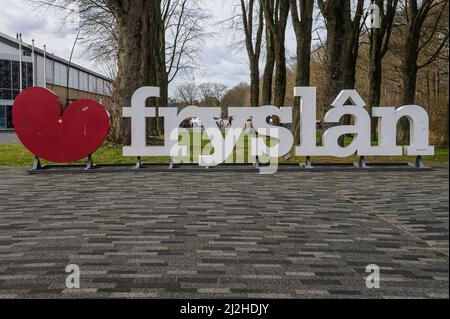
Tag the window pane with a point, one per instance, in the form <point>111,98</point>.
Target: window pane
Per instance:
<point>9,119</point>
<point>5,94</point>
<point>5,74</point>
<point>15,75</point>
<point>24,75</point>
<point>2,117</point>
<point>29,81</point>
<point>15,93</point>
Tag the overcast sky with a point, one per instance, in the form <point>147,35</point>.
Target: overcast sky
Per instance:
<point>220,60</point>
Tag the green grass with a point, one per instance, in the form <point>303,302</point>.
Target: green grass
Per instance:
<point>15,155</point>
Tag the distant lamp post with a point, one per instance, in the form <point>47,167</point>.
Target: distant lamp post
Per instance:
<point>68,67</point>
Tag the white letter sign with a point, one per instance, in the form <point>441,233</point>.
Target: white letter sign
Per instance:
<point>347,103</point>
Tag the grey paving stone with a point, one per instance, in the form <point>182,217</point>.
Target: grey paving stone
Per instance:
<point>224,235</point>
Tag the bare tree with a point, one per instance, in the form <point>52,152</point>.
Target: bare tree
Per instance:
<point>183,34</point>
<point>96,23</point>
<point>247,24</point>
<point>99,30</point>
<point>269,67</point>
<point>213,94</point>
<point>187,93</point>
<point>379,39</point>
<point>302,22</point>
<point>276,14</point>
<point>416,41</point>
<point>253,50</point>
<point>342,44</point>
<point>236,96</point>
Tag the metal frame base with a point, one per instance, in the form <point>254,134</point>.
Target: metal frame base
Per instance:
<point>308,166</point>
<point>231,168</point>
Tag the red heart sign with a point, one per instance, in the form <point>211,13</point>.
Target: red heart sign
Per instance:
<point>61,138</point>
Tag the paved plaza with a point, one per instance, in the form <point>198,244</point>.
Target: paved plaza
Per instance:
<point>225,235</point>
<point>8,137</point>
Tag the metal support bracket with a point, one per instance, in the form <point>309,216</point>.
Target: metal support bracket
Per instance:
<point>308,162</point>
<point>37,163</point>
<point>362,162</point>
<point>138,163</point>
<point>90,163</point>
<point>257,163</point>
<point>419,162</point>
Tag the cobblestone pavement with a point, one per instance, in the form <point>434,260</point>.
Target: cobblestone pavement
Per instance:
<point>187,235</point>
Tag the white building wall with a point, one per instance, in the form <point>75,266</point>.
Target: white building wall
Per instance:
<point>84,81</point>
<point>6,49</point>
<point>73,79</point>
<point>99,88</point>
<point>50,71</point>
<point>92,84</point>
<point>39,71</point>
<point>60,74</point>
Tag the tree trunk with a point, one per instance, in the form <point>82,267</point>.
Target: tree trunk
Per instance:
<point>154,59</point>
<point>163,99</point>
<point>269,68</point>
<point>351,54</point>
<point>276,14</point>
<point>416,17</point>
<point>342,48</point>
<point>253,49</point>
<point>163,77</point>
<point>254,82</point>
<point>379,44</point>
<point>138,34</point>
<point>409,75</point>
<point>280,71</point>
<point>129,79</point>
<point>303,34</point>
<point>375,78</point>
<point>335,61</point>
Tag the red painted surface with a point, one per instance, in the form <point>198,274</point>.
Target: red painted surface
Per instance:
<point>61,138</point>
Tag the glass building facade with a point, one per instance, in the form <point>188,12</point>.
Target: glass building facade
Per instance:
<point>10,87</point>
